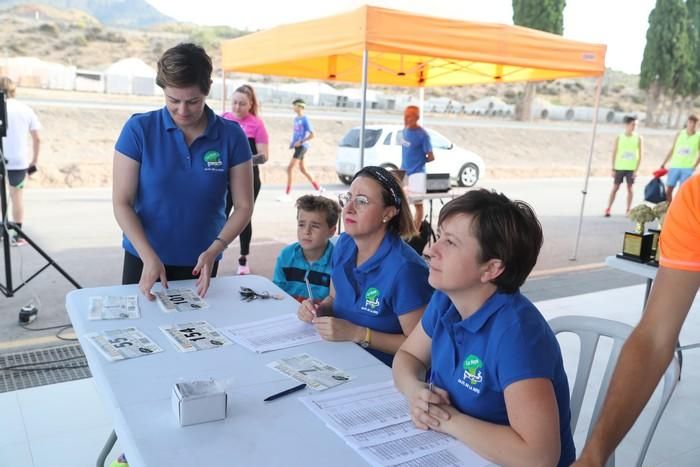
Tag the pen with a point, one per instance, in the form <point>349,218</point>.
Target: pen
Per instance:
<point>308,290</point>
<point>285,392</point>
<point>430,386</point>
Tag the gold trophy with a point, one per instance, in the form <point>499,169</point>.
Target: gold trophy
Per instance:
<point>637,245</point>
<point>660,213</point>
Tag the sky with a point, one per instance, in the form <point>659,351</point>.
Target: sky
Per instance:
<point>620,24</point>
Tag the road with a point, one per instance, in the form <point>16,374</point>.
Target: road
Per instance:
<point>77,229</point>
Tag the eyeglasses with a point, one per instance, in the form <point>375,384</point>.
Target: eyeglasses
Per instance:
<point>361,201</point>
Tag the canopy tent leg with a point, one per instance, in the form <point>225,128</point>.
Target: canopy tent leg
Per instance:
<point>421,102</point>
<point>584,192</point>
<point>363,107</point>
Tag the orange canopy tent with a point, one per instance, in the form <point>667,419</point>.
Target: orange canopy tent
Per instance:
<point>396,48</point>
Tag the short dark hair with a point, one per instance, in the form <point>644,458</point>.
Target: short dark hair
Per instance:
<point>312,203</point>
<point>506,230</point>
<point>693,117</point>
<point>627,119</point>
<point>185,65</point>
<point>299,102</point>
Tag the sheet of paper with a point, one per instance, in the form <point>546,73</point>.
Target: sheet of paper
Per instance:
<point>360,409</point>
<point>408,448</point>
<point>276,333</point>
<point>375,421</point>
<point>194,336</point>
<point>383,434</point>
<point>114,307</point>
<point>306,369</point>
<point>122,344</point>
<point>455,456</point>
<point>177,300</point>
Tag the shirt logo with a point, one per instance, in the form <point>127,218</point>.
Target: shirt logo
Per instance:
<point>371,301</point>
<point>473,376</point>
<point>212,161</point>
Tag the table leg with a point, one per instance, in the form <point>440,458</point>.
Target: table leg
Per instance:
<point>106,449</point>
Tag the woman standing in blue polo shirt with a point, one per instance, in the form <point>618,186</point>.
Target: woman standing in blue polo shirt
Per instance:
<point>379,285</point>
<point>172,168</point>
<point>497,381</point>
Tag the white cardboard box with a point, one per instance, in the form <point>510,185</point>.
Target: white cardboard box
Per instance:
<point>198,402</point>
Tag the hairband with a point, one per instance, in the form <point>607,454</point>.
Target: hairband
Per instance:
<point>386,180</point>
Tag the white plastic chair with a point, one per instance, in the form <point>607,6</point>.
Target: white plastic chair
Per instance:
<point>589,330</point>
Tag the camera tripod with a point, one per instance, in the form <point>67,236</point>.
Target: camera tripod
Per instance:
<point>8,289</point>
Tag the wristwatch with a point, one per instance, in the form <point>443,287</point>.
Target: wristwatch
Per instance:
<point>364,343</point>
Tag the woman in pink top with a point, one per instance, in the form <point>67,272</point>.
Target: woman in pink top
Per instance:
<point>245,110</point>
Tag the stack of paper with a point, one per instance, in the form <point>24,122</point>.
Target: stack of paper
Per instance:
<point>315,373</point>
<point>194,336</point>
<point>114,307</point>
<point>375,421</point>
<point>276,333</point>
<point>122,344</point>
<point>172,300</point>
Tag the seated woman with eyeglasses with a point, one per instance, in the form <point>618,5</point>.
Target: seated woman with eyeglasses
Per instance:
<point>379,284</point>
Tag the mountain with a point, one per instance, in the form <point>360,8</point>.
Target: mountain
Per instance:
<point>122,13</point>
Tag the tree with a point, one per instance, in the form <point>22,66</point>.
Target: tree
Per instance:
<point>668,64</point>
<point>544,15</point>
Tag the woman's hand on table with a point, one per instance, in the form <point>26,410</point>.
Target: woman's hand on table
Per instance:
<point>152,271</point>
<point>429,408</point>
<point>203,268</point>
<point>336,329</point>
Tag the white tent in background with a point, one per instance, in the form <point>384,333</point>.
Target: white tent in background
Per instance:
<point>37,73</point>
<point>130,76</point>
<point>354,97</point>
<point>314,92</point>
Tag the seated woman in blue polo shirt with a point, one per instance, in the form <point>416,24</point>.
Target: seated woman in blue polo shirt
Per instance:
<point>379,285</point>
<point>497,381</point>
<point>172,168</point>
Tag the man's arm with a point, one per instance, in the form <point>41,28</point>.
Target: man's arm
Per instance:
<point>36,143</point>
<point>644,358</point>
<point>670,152</point>
<point>614,153</point>
<point>641,153</point>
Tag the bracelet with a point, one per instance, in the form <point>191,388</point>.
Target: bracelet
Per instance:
<point>364,343</point>
<point>222,241</point>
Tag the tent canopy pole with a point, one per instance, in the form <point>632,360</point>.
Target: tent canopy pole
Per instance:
<point>584,192</point>
<point>363,105</point>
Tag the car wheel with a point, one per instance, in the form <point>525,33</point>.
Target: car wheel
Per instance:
<point>345,179</point>
<point>468,175</point>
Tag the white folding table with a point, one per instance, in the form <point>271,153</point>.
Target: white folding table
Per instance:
<point>136,392</point>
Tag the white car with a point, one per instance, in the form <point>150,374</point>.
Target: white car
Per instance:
<point>383,148</point>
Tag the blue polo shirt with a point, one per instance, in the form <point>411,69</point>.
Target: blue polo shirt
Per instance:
<point>181,190</point>
<point>415,144</point>
<point>505,341</point>
<point>292,268</point>
<point>392,282</point>
<point>301,128</point>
